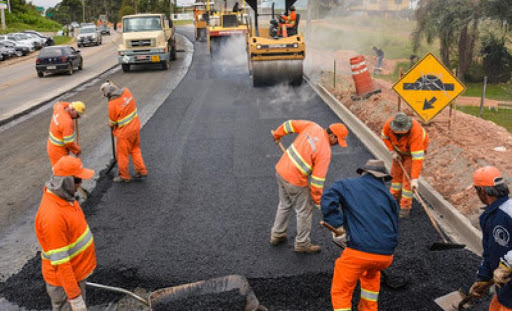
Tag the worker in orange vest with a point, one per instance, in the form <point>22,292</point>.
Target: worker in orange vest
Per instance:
<point>287,21</point>
<point>408,142</point>
<point>307,157</point>
<point>125,124</point>
<point>61,139</point>
<point>68,255</point>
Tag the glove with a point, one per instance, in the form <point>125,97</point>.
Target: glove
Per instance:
<point>396,156</point>
<point>78,304</point>
<point>502,275</point>
<point>414,184</point>
<point>340,237</point>
<point>479,289</point>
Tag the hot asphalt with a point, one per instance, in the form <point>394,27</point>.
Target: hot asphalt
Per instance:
<point>209,202</point>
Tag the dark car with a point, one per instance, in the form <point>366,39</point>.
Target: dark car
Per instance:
<point>7,52</point>
<point>61,58</point>
<point>104,30</point>
<point>19,50</point>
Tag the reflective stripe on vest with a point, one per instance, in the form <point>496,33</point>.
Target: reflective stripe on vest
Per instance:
<point>418,155</point>
<point>301,165</point>
<point>54,140</point>
<point>69,139</point>
<point>126,120</point>
<point>344,309</point>
<point>369,295</point>
<point>317,181</point>
<point>383,136</point>
<point>396,186</point>
<point>288,127</point>
<point>406,194</point>
<point>64,254</point>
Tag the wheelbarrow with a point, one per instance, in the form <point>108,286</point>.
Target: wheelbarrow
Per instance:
<point>212,286</point>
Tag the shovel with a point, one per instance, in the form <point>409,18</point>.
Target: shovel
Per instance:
<point>395,282</point>
<point>457,300</point>
<point>436,246</point>
<point>188,291</point>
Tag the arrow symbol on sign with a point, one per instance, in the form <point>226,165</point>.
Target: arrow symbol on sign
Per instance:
<point>429,104</point>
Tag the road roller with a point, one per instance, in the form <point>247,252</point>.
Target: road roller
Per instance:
<point>200,18</point>
<point>276,53</point>
<point>224,24</point>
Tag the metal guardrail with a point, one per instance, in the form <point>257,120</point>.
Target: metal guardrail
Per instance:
<point>456,225</point>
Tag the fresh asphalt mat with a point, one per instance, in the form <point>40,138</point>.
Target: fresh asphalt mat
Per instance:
<point>208,205</point>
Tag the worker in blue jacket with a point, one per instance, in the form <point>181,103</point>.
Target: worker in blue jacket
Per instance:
<point>366,217</point>
<point>496,224</point>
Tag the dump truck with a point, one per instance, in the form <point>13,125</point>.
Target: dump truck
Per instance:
<point>273,57</point>
<point>224,24</point>
<point>147,39</point>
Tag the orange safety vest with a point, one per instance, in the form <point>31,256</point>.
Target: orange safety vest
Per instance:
<point>123,115</point>
<point>290,19</point>
<point>62,128</point>
<point>68,255</point>
<point>308,155</point>
<point>413,144</point>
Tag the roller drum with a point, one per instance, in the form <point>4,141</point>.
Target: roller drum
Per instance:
<point>277,71</point>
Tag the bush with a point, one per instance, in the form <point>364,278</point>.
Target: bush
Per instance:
<point>475,73</point>
<point>497,60</point>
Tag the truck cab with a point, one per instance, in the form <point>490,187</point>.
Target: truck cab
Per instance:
<point>147,39</point>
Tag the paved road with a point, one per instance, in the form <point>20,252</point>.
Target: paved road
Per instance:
<point>21,88</point>
<point>207,208</point>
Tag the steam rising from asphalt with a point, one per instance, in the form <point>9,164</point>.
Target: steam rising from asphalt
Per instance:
<point>230,55</point>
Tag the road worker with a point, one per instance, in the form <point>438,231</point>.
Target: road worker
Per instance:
<point>366,217</point>
<point>61,139</point>
<point>408,142</point>
<point>496,224</point>
<point>68,255</point>
<point>308,156</point>
<point>125,124</point>
<point>287,22</point>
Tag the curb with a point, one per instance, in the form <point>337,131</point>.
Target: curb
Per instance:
<point>455,225</point>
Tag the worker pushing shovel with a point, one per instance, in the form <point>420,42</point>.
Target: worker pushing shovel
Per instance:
<point>125,124</point>
<point>308,156</point>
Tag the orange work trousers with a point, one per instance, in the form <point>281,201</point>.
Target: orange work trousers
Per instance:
<point>353,266</point>
<point>55,152</point>
<point>497,306</point>
<point>126,146</point>
<point>400,185</point>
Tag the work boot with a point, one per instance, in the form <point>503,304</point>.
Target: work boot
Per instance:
<point>308,249</point>
<point>139,175</point>
<point>118,179</point>
<point>275,240</point>
<point>404,213</point>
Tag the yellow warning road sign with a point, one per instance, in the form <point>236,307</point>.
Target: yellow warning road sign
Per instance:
<point>428,87</point>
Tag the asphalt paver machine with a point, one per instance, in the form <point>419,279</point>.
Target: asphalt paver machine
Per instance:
<point>224,23</point>
<point>275,56</point>
<point>200,19</point>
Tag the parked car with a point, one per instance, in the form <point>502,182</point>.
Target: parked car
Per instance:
<point>75,25</point>
<point>83,25</point>
<point>88,36</point>
<point>19,50</point>
<point>48,39</point>
<point>60,58</point>
<point>105,30</point>
<point>10,37</point>
<point>30,48</point>
<point>40,41</point>
<point>23,36</point>
<point>7,52</point>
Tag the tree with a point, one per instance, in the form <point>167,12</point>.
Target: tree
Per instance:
<point>497,59</point>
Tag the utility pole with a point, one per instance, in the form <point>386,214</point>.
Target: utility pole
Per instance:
<point>83,11</point>
<point>9,5</point>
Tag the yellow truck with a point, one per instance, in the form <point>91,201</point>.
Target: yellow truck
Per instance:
<point>147,39</point>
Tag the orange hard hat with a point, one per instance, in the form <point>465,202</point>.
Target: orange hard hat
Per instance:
<point>341,132</point>
<point>71,166</point>
<point>487,176</point>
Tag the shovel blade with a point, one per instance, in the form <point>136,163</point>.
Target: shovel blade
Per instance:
<point>449,302</point>
<point>441,246</point>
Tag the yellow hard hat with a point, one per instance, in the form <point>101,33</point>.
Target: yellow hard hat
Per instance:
<point>79,107</point>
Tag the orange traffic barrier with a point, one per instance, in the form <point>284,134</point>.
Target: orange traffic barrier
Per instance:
<point>361,76</point>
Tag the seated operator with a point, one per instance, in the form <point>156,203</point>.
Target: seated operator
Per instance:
<point>287,21</point>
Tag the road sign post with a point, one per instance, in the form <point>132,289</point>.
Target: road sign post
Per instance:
<point>3,6</point>
<point>428,87</point>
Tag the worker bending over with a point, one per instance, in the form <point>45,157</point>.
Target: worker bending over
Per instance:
<point>408,142</point>
<point>366,217</point>
<point>68,255</point>
<point>287,21</point>
<point>308,156</point>
<point>61,139</point>
<point>125,124</point>
<point>496,224</point>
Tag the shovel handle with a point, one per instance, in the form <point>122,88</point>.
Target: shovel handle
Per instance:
<point>119,290</point>
<point>280,144</point>
<point>331,228</point>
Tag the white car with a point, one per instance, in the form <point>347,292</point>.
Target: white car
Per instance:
<point>27,36</point>
<point>10,37</point>
<point>25,49</point>
<point>88,36</point>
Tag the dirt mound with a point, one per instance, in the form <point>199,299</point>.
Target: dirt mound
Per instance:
<point>454,152</point>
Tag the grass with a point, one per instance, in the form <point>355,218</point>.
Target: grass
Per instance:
<point>182,22</point>
<point>493,91</point>
<point>502,117</point>
<point>59,40</point>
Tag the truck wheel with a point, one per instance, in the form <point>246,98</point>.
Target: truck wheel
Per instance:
<point>173,52</point>
<point>126,67</point>
<point>165,65</point>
